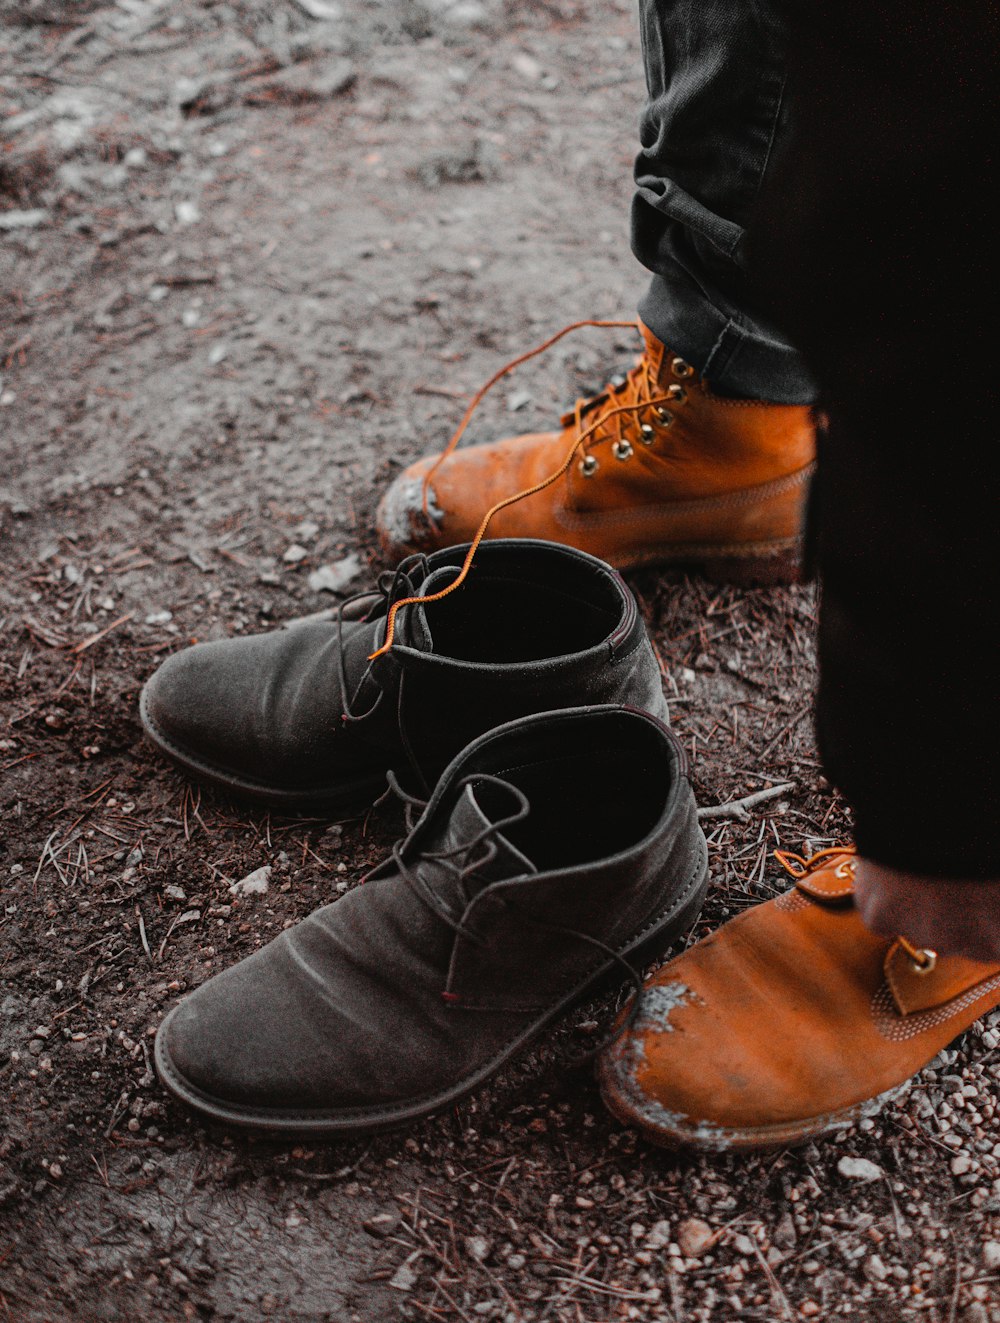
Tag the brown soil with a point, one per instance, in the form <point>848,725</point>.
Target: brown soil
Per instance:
<point>252,262</point>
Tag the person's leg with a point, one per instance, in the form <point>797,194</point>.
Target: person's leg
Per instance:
<point>715,120</point>
<point>880,253</point>
<point>875,245</point>
<point>701,455</point>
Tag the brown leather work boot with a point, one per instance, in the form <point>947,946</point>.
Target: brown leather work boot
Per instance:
<point>792,1021</point>
<point>654,469</point>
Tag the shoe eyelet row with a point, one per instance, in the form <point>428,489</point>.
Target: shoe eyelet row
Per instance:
<point>622,450</point>
<point>589,466</point>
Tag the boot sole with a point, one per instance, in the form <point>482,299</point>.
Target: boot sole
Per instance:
<point>674,1131</point>
<point>754,566</point>
<point>649,944</point>
<point>354,797</point>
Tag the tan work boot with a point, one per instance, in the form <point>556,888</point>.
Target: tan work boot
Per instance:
<point>791,1021</point>
<point>655,469</point>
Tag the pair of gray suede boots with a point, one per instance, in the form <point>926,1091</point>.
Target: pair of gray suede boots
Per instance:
<point>557,842</point>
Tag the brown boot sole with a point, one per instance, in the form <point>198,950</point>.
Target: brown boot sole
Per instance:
<point>674,1131</point>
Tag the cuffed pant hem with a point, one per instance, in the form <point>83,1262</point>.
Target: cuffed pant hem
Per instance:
<point>736,360</point>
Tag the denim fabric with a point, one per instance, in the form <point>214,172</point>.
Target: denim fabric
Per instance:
<point>715,73</point>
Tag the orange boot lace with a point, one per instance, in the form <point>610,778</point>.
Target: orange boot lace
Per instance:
<point>620,411</point>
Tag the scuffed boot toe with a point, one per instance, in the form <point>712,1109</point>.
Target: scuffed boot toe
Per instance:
<point>230,1048</point>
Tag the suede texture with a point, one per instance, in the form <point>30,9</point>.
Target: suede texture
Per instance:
<point>276,716</point>
<point>416,985</point>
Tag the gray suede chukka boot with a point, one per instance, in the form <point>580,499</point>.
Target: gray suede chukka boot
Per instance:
<point>517,892</point>
<point>302,717</point>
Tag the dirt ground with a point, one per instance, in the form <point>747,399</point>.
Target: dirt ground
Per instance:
<point>253,258</point>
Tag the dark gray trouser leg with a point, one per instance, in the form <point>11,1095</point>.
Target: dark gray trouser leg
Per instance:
<point>715,72</point>
<point>877,241</point>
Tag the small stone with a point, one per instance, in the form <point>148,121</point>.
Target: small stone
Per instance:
<point>254,884</point>
<point>159,618</point>
<point>187,213</point>
<point>478,1247</point>
<point>23,220</point>
<point>991,1255</point>
<point>404,1278</point>
<point>875,1270</point>
<point>695,1237</point>
<point>335,578</point>
<point>859,1169</point>
<point>784,1233</point>
<point>960,1164</point>
<point>295,553</point>
<point>381,1225</point>
<point>659,1236</point>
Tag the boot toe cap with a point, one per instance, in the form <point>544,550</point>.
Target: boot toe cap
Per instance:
<point>235,1048</point>
<point>402,523</point>
<point>193,707</point>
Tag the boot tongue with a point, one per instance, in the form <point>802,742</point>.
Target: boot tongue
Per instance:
<point>412,630</point>
<point>477,808</point>
<point>417,630</point>
<point>656,350</point>
<point>412,627</point>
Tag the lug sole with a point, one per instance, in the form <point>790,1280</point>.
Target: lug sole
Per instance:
<point>348,799</point>
<point>650,944</point>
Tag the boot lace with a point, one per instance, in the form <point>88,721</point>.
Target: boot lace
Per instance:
<point>922,958</point>
<point>390,586</point>
<point>463,864</point>
<point>798,867</point>
<point>620,411</point>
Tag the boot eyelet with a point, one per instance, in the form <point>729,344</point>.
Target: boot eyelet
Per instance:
<point>681,369</point>
<point>647,434</point>
<point>847,869</point>
<point>924,961</point>
<point>677,393</point>
<point>622,450</point>
<point>665,417</point>
<point>589,466</point>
